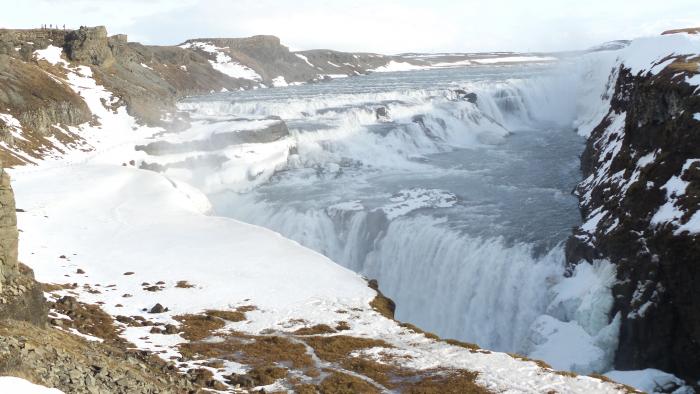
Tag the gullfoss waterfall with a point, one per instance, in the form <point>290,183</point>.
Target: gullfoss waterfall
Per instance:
<point>450,187</point>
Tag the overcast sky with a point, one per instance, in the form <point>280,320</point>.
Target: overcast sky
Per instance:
<point>385,26</point>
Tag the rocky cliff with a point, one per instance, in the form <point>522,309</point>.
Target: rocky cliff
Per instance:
<point>640,201</point>
<point>40,103</point>
<point>21,297</point>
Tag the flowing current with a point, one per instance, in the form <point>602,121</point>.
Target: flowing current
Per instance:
<point>457,204</point>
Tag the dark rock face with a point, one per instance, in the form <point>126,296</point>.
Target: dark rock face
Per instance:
<point>89,45</point>
<point>649,137</point>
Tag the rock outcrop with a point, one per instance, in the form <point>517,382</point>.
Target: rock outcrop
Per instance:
<point>640,200</point>
<point>21,297</point>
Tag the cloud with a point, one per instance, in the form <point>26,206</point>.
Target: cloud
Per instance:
<point>388,26</point>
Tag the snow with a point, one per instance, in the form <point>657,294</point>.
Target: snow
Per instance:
<point>13,125</point>
<point>304,58</point>
<point>223,62</point>
<point>394,66</point>
<point>51,54</point>
<point>651,381</point>
<point>279,82</point>
<point>644,53</point>
<point>669,212</point>
<point>146,66</point>
<point>514,59</point>
<point>696,116</point>
<point>11,384</point>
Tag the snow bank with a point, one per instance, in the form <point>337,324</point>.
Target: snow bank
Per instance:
<point>394,66</point>
<point>651,381</point>
<point>224,63</point>
<point>11,384</point>
<point>515,59</point>
<point>51,54</point>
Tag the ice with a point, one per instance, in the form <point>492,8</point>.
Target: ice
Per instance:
<point>11,384</point>
<point>576,333</point>
<point>650,381</point>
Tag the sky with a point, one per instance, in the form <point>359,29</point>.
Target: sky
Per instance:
<point>382,26</point>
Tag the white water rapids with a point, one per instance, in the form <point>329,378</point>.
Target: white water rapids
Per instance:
<point>458,209</point>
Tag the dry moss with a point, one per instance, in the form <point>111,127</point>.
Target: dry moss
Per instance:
<point>183,284</point>
<point>86,318</point>
<point>340,383</point>
<point>385,306</point>
<point>315,330</point>
<point>447,382</point>
<point>256,351</point>
<point>198,327</point>
<point>539,363</point>
<point>335,348</point>
<point>263,376</point>
<point>232,316</point>
<point>420,331</point>
<point>623,387</point>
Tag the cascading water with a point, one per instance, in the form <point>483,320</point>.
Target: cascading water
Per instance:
<point>458,208</point>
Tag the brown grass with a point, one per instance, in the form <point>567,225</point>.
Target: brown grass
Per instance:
<point>689,30</point>
<point>539,363</point>
<point>198,327</point>
<point>340,383</point>
<point>621,386</point>
<point>449,382</point>
<point>315,330</point>
<point>685,66</point>
<point>385,306</point>
<point>183,284</point>
<point>87,319</point>
<point>252,350</point>
<point>233,316</point>
<point>263,376</point>
<point>335,348</point>
<point>420,331</point>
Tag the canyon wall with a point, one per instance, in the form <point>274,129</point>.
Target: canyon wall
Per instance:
<point>640,200</point>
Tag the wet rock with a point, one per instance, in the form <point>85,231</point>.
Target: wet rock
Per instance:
<point>382,114</point>
<point>463,95</point>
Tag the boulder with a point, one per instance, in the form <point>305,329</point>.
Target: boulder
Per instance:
<point>89,45</point>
